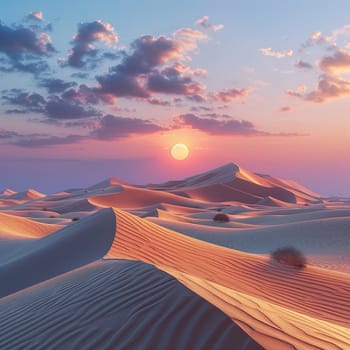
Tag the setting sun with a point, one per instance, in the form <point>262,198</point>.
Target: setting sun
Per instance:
<point>179,151</point>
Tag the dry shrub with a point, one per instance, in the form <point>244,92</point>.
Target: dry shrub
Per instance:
<point>289,256</point>
<point>221,217</point>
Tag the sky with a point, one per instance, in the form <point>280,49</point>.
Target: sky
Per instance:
<point>98,89</point>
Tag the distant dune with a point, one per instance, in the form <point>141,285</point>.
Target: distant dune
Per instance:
<point>120,266</point>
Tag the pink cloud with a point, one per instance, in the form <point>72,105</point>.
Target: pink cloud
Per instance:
<point>204,22</point>
<point>36,15</point>
<point>331,84</point>
<point>96,31</point>
<point>230,94</point>
<point>267,51</point>
<point>329,87</point>
<point>338,63</point>
<point>286,109</point>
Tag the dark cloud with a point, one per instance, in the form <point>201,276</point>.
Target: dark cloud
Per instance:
<point>222,125</point>
<point>80,75</point>
<point>112,127</point>
<point>148,52</point>
<point>36,67</point>
<point>82,94</point>
<point>172,81</point>
<point>31,102</point>
<point>142,72</point>
<point>18,41</point>
<point>24,48</point>
<point>158,102</point>
<point>58,108</point>
<point>304,65</point>
<point>108,127</point>
<point>230,94</point>
<point>55,86</point>
<point>48,141</point>
<point>83,52</point>
<point>125,80</point>
<point>216,126</point>
<point>7,134</point>
<point>198,98</point>
<point>118,84</point>
<point>16,111</point>
<point>69,106</point>
<point>201,109</point>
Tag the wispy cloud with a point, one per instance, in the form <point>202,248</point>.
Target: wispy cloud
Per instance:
<point>113,127</point>
<point>204,23</point>
<point>267,51</point>
<point>36,15</point>
<point>303,65</point>
<point>222,125</point>
<point>285,109</point>
<point>229,95</point>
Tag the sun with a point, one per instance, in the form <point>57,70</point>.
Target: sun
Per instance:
<point>179,151</point>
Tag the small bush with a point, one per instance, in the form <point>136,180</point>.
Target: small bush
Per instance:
<point>44,209</point>
<point>52,216</point>
<point>289,256</point>
<point>221,217</point>
<point>75,219</point>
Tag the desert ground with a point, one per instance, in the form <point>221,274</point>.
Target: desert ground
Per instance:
<point>121,266</point>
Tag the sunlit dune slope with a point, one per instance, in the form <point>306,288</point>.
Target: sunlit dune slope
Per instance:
<point>133,197</point>
<point>21,227</point>
<point>313,294</point>
<point>26,195</point>
<point>233,183</point>
<point>254,274</point>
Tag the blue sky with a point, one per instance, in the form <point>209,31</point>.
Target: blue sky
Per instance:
<point>260,83</point>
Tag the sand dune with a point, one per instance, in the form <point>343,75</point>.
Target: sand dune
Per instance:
<point>21,227</point>
<point>274,327</point>
<point>311,237</point>
<point>317,293</point>
<point>73,246</point>
<point>115,305</point>
<point>233,183</point>
<point>7,192</point>
<point>28,195</point>
<point>111,182</point>
<point>272,202</point>
<point>133,197</point>
<point>64,285</point>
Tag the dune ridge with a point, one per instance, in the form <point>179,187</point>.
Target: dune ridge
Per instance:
<point>232,182</point>
<point>249,274</point>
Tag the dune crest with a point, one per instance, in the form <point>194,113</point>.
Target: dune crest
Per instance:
<point>244,273</point>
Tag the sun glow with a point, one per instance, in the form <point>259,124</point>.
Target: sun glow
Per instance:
<point>179,151</point>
